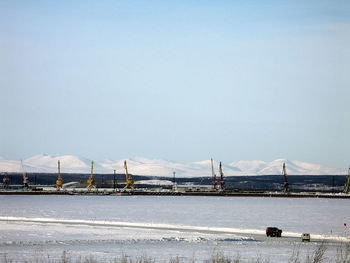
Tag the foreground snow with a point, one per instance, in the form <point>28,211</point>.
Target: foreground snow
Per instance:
<point>162,227</point>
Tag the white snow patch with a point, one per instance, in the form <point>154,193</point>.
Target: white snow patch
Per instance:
<point>154,182</point>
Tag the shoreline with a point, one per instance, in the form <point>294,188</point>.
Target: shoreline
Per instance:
<point>169,193</point>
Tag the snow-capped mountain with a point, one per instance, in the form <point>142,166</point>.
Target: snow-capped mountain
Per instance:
<point>154,167</point>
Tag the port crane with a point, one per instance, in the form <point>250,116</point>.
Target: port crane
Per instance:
<point>213,174</point>
<point>222,182</point>
<point>285,185</point>
<point>25,177</point>
<point>91,181</point>
<point>59,182</point>
<point>129,180</point>
<point>5,181</point>
<point>347,185</point>
<point>174,182</point>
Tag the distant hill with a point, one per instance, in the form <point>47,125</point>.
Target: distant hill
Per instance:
<point>44,163</point>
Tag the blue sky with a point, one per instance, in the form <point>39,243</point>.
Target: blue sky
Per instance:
<point>176,80</point>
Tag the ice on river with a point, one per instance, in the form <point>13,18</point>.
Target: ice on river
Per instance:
<point>166,226</point>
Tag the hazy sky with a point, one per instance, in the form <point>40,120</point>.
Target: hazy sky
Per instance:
<point>177,80</point>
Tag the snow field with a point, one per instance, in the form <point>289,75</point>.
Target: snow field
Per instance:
<point>159,226</point>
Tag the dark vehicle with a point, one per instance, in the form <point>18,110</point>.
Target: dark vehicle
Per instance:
<point>273,232</point>
<point>305,237</point>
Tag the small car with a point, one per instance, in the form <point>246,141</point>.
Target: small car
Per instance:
<point>273,232</point>
<point>305,237</point>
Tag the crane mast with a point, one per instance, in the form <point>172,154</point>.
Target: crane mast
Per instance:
<point>129,180</point>
<point>59,182</point>
<point>213,174</point>
<point>25,177</point>
<point>222,182</point>
<point>91,181</point>
<point>174,182</point>
<point>347,185</point>
<point>285,185</point>
<point>5,180</point>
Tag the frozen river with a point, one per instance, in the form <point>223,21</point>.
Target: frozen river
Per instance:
<point>166,226</point>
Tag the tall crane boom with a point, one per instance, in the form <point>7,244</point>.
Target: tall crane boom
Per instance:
<point>91,181</point>
<point>222,182</point>
<point>213,174</point>
<point>25,177</point>
<point>347,185</point>
<point>5,180</point>
<point>59,182</point>
<point>285,185</point>
<point>129,180</point>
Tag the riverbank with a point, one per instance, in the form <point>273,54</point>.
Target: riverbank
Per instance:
<point>112,192</point>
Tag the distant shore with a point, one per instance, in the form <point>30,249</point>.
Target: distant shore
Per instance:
<point>171,193</point>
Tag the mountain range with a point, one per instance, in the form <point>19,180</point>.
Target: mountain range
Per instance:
<point>44,163</point>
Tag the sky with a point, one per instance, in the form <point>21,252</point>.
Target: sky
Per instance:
<point>176,80</point>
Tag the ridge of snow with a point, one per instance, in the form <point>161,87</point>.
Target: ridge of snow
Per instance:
<point>158,167</point>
